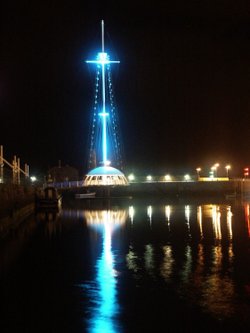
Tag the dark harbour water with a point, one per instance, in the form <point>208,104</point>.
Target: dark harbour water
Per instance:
<point>128,266</point>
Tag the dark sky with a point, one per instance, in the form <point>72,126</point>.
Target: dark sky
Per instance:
<point>182,88</point>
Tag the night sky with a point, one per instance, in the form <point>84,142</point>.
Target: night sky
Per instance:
<point>182,88</point>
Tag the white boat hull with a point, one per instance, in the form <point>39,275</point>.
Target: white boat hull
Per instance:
<point>85,195</point>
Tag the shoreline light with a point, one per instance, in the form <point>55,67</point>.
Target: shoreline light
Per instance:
<point>131,177</point>
<point>167,178</point>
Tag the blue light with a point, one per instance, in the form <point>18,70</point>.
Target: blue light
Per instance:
<point>103,59</point>
<point>104,140</point>
<point>103,114</point>
<point>103,292</point>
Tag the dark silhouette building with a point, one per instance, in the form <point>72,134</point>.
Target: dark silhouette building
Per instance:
<point>63,173</point>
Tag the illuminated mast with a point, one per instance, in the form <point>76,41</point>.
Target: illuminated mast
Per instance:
<point>103,60</point>
<point>104,134</point>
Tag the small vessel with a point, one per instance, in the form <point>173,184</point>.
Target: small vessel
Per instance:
<point>87,195</point>
<point>48,197</point>
<point>231,196</point>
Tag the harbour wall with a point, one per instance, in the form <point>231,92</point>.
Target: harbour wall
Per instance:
<point>216,187</point>
<point>14,197</point>
<point>232,188</point>
<point>9,222</point>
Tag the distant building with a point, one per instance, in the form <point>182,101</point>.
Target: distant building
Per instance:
<point>63,173</point>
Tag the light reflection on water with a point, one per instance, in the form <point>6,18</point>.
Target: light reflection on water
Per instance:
<point>214,289</point>
<point>102,291</point>
<point>193,251</point>
<point>206,272</point>
<point>128,267</point>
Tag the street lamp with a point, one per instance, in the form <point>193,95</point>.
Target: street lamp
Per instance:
<point>246,172</point>
<point>214,168</point>
<point>228,167</point>
<point>131,177</point>
<point>167,178</point>
<point>198,170</point>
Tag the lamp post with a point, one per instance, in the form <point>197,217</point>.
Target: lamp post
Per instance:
<point>33,179</point>
<point>131,177</point>
<point>167,178</point>
<point>214,168</point>
<point>228,167</point>
<point>212,172</point>
<point>1,164</point>
<point>198,170</point>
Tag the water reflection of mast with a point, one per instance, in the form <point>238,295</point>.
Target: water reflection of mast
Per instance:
<point>102,290</point>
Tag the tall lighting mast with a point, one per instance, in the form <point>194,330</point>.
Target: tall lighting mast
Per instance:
<point>103,60</point>
<point>105,147</point>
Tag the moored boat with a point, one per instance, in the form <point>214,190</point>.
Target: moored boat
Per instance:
<point>85,195</point>
<point>47,198</point>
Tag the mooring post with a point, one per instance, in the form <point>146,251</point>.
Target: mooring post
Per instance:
<point>18,170</point>
<point>27,171</point>
<point>14,167</point>
<point>1,164</point>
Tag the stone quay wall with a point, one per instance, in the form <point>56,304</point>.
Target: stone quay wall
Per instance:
<point>190,188</point>
<point>14,197</point>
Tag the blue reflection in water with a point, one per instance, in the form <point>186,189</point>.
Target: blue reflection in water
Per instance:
<point>103,320</point>
<point>103,291</point>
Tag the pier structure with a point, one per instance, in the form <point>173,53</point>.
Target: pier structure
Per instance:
<point>15,167</point>
<point>105,152</point>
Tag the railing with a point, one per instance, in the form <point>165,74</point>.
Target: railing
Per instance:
<point>66,184</point>
<point>80,183</point>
